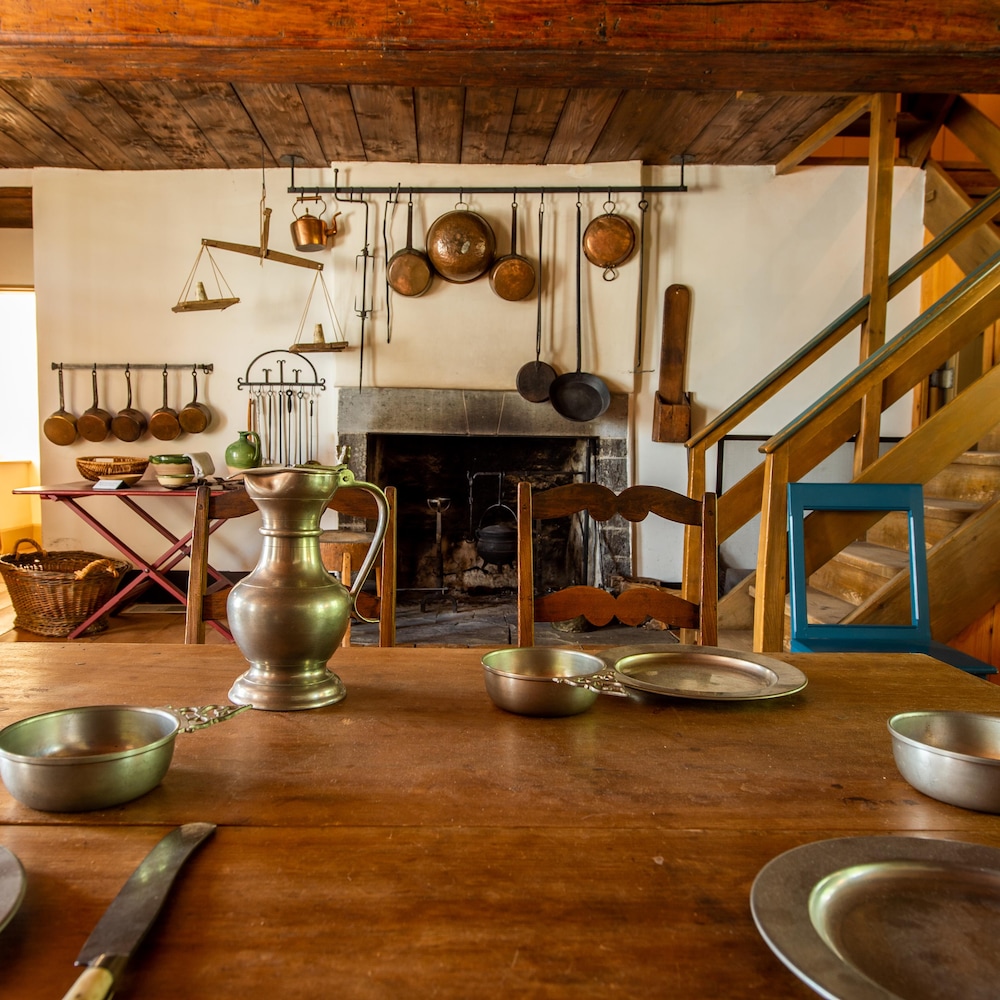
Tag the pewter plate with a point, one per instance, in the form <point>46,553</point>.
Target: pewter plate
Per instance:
<point>707,673</point>
<point>884,918</point>
<point>12,885</point>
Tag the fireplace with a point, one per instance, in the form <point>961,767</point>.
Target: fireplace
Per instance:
<point>455,458</point>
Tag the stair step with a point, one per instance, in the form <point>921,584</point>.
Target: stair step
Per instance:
<point>941,516</point>
<point>856,573</point>
<point>972,476</point>
<point>823,608</point>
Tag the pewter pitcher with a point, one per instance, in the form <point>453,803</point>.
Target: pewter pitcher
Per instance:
<point>289,615</point>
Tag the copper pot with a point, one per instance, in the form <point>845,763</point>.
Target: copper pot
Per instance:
<point>461,245</point>
<point>94,422</point>
<point>195,417</point>
<point>513,276</point>
<point>163,424</point>
<point>608,241</point>
<point>60,427</point>
<point>409,272</point>
<point>129,423</point>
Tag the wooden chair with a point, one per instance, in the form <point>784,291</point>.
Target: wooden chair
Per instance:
<point>909,637</point>
<point>354,501</point>
<point>633,606</point>
<point>208,603</point>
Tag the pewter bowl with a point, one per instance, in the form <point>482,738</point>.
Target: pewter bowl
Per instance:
<point>950,756</point>
<point>95,756</point>
<point>522,679</point>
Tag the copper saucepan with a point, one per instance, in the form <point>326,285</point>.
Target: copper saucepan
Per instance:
<point>129,423</point>
<point>94,422</point>
<point>513,276</point>
<point>163,424</point>
<point>461,245</point>
<point>409,271</point>
<point>195,417</point>
<point>60,427</point>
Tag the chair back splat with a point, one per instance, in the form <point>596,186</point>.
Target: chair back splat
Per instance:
<point>635,605</point>
<point>910,637</point>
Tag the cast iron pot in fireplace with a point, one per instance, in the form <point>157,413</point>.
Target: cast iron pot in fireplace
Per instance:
<point>496,537</point>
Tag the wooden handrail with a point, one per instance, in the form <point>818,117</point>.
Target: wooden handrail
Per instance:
<point>981,282</point>
<point>832,334</point>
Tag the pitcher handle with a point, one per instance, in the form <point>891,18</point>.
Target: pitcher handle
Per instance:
<point>382,502</point>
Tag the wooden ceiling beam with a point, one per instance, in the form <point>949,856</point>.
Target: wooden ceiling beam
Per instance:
<point>851,46</point>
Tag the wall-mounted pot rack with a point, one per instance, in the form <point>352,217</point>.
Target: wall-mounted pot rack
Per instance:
<point>128,366</point>
<point>604,189</point>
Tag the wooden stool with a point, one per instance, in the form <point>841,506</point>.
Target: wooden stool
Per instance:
<point>342,551</point>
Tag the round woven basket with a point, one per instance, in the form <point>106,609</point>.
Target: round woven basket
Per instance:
<point>95,467</point>
<point>54,592</point>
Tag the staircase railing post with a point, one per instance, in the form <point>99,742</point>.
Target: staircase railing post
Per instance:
<point>772,556</point>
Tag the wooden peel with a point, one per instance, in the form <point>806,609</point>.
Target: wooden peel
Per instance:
<point>671,405</point>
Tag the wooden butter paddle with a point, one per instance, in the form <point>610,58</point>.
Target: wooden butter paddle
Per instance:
<point>672,406</point>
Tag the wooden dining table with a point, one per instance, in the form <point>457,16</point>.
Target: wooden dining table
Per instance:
<point>415,840</point>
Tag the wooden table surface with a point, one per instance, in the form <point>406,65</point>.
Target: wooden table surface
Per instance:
<point>415,840</point>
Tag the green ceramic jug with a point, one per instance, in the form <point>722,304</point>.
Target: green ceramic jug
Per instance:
<point>244,453</point>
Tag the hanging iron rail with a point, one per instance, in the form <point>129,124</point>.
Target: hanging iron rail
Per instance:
<point>605,189</point>
<point>126,366</point>
<point>280,382</point>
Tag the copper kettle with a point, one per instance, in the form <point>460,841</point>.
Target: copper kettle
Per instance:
<point>309,232</point>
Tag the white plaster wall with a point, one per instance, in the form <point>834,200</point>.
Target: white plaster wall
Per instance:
<point>770,261</point>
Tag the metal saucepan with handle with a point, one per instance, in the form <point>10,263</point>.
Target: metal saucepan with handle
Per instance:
<point>535,378</point>
<point>512,277</point>
<point>129,423</point>
<point>195,417</point>
<point>409,270</point>
<point>461,245</point>
<point>579,395</point>
<point>163,423</point>
<point>95,422</point>
<point>609,241</point>
<point>96,756</point>
<point>60,427</point>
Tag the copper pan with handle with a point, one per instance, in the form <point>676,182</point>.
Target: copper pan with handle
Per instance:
<point>512,277</point>
<point>60,427</point>
<point>409,270</point>
<point>94,423</point>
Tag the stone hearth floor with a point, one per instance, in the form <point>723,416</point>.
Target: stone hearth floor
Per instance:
<point>438,620</point>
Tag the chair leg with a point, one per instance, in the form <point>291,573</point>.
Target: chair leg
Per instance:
<point>345,579</point>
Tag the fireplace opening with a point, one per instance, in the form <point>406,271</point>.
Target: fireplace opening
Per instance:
<point>457,508</point>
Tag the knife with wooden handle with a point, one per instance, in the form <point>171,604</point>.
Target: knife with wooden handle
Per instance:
<point>132,912</point>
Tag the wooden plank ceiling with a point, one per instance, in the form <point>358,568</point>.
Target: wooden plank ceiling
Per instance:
<point>216,84</point>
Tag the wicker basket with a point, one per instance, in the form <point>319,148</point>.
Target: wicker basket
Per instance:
<point>54,592</point>
<point>110,465</point>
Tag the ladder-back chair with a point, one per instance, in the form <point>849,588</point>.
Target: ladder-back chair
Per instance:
<point>635,605</point>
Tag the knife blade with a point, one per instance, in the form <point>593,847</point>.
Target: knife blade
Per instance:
<point>132,912</point>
